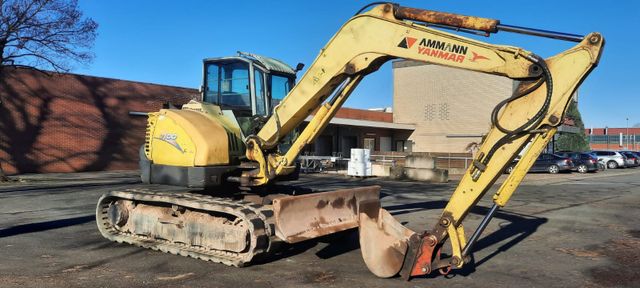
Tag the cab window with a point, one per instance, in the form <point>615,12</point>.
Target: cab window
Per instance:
<point>280,87</point>
<point>228,85</point>
<point>234,85</point>
<point>212,80</point>
<point>261,104</point>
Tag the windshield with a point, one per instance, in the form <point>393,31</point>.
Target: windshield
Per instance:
<point>280,87</point>
<point>227,84</point>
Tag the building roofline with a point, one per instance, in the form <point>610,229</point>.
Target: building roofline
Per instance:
<point>97,77</point>
<point>367,123</point>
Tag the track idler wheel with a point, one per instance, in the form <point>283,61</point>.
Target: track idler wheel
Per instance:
<point>118,214</point>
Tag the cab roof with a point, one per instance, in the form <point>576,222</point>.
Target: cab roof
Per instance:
<point>269,63</point>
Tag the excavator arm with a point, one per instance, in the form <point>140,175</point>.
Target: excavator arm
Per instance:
<point>522,124</point>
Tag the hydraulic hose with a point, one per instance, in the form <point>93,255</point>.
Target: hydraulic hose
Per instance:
<point>531,124</point>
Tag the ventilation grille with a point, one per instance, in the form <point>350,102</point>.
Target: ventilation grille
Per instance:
<point>437,111</point>
<point>235,147</point>
<point>151,122</point>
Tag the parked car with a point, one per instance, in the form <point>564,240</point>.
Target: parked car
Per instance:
<point>635,155</point>
<point>548,163</point>
<point>612,159</point>
<point>583,162</point>
<point>631,159</point>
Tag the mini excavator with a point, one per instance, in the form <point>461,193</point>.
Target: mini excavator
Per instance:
<point>229,144</point>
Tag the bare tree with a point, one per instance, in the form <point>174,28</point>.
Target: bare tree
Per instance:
<point>44,35</point>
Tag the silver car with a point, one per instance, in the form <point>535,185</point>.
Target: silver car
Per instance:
<point>612,159</point>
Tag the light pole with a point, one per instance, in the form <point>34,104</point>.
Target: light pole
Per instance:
<point>606,132</point>
<point>628,133</point>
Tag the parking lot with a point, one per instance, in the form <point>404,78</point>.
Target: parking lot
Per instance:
<point>564,230</point>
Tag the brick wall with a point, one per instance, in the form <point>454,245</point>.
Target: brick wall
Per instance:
<point>70,122</point>
<point>360,114</point>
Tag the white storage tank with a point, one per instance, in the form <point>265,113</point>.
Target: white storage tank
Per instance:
<point>359,163</point>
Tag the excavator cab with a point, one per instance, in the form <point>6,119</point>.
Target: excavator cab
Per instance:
<point>248,84</point>
<point>200,145</point>
<point>251,86</point>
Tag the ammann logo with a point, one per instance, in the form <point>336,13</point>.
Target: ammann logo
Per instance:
<point>407,42</point>
<point>444,46</point>
<point>443,50</point>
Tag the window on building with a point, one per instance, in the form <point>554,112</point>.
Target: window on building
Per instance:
<point>400,146</point>
<point>370,143</point>
<point>385,144</point>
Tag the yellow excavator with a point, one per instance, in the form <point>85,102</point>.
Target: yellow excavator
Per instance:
<point>230,145</point>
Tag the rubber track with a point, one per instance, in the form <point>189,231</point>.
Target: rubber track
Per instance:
<point>258,218</point>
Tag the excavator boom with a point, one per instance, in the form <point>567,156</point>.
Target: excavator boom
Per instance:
<point>529,118</point>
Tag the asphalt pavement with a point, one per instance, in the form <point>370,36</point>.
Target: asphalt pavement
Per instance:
<point>566,230</point>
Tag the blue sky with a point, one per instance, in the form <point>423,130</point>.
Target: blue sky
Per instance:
<point>165,41</point>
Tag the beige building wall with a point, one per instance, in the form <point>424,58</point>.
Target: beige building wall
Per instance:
<point>450,107</point>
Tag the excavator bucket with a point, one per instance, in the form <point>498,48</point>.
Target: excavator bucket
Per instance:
<point>304,217</point>
<point>384,242</point>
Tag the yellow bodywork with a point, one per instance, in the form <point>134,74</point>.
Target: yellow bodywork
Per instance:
<point>198,135</point>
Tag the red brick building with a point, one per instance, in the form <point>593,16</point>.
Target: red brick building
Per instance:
<point>68,122</point>
<point>614,138</point>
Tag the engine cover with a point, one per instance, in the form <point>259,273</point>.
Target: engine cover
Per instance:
<point>199,135</point>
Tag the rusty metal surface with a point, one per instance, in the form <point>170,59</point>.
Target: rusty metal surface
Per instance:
<point>196,228</point>
<point>449,19</point>
<point>304,217</point>
<point>383,240</point>
<point>421,255</point>
<point>257,220</point>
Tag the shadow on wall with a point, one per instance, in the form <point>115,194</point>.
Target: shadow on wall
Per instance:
<point>70,123</point>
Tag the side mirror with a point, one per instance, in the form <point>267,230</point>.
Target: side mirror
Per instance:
<point>299,67</point>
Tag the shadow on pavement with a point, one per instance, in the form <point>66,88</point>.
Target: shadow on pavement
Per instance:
<point>47,225</point>
<point>522,228</point>
<point>519,225</point>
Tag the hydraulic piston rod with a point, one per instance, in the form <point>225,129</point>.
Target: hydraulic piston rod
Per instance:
<point>487,25</point>
<point>476,235</point>
<point>540,33</point>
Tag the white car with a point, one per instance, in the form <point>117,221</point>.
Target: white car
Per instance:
<point>612,159</point>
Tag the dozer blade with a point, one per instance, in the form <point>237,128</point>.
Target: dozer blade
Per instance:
<point>304,217</point>
<point>383,240</point>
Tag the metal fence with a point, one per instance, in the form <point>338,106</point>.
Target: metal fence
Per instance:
<point>615,141</point>
<point>315,164</point>
<point>442,160</point>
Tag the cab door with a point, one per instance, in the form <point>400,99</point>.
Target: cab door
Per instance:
<point>259,99</point>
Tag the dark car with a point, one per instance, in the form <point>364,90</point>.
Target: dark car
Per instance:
<point>583,162</point>
<point>548,163</point>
